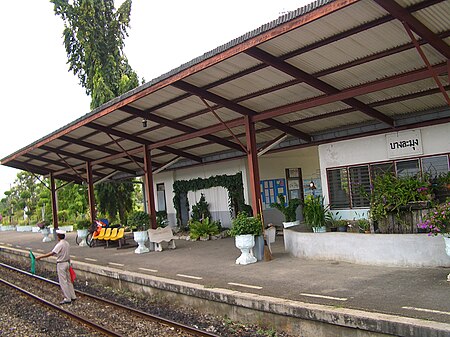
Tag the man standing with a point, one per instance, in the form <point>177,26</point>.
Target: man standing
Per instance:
<point>62,252</point>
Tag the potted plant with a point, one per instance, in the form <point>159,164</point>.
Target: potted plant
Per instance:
<point>288,209</point>
<point>244,229</point>
<point>315,213</point>
<point>202,229</point>
<point>437,222</point>
<point>44,226</point>
<point>82,232</point>
<point>139,221</point>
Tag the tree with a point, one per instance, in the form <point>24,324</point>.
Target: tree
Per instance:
<point>94,36</point>
<point>115,198</point>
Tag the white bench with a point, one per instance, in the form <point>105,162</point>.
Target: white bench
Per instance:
<point>160,234</point>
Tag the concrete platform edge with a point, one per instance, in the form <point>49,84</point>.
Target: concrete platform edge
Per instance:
<point>363,320</point>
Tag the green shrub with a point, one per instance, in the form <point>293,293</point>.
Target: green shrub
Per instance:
<point>139,221</point>
<point>288,211</point>
<point>243,224</point>
<point>83,224</point>
<point>314,211</point>
<point>203,228</point>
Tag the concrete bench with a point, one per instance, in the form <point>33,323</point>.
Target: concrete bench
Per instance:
<point>160,234</point>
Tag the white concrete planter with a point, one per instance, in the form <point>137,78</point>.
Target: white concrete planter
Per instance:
<point>35,229</point>
<point>447,249</point>
<point>321,229</point>
<point>82,234</point>
<point>46,233</point>
<point>141,238</point>
<point>245,243</point>
<point>24,228</point>
<point>4,228</point>
<point>291,224</point>
<point>397,250</point>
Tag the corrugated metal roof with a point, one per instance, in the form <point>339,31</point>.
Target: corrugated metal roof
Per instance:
<point>287,74</point>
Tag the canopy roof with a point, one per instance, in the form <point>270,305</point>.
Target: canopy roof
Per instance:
<point>329,71</point>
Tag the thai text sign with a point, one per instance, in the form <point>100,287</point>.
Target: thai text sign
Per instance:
<point>405,143</point>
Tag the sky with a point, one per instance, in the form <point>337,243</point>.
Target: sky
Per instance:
<point>40,95</point>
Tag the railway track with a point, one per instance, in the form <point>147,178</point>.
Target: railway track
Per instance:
<point>104,316</point>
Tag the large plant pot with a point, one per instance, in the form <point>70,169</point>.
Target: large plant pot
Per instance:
<point>291,224</point>
<point>258,249</point>
<point>245,243</point>
<point>46,233</point>
<point>82,234</point>
<point>141,238</point>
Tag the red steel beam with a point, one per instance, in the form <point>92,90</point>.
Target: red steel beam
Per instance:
<point>252,160</point>
<point>403,15</point>
<point>315,82</point>
<point>238,108</point>
<point>351,92</point>
<point>149,192</point>
<point>177,126</point>
<point>91,198</point>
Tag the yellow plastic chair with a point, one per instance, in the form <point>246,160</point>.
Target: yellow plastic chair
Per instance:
<point>102,233</point>
<point>119,236</point>
<point>106,233</point>
<point>112,235</point>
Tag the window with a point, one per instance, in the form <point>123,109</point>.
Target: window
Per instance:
<point>435,166</point>
<point>161,197</point>
<point>338,187</point>
<point>408,168</point>
<point>360,185</point>
<point>348,186</point>
<point>380,169</point>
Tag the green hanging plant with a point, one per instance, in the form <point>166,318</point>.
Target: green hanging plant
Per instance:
<point>233,183</point>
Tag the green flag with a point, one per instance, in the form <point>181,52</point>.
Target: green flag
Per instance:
<point>33,262</point>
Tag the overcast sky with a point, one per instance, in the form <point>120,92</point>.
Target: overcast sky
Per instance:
<point>39,95</point>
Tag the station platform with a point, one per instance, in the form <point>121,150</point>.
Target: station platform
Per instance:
<point>380,300</point>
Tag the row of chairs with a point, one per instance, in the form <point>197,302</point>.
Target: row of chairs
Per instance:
<point>110,234</point>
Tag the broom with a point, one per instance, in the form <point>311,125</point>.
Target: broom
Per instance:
<point>267,253</point>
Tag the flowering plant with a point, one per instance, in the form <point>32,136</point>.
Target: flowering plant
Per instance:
<point>42,224</point>
<point>437,221</point>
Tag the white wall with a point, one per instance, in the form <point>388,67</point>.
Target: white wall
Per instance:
<point>218,203</point>
<point>435,140</point>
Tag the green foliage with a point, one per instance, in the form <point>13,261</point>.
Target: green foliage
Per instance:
<point>161,219</point>
<point>288,211</point>
<point>391,194</point>
<point>83,224</point>
<point>115,198</point>
<point>243,224</point>
<point>232,183</point>
<point>200,209</point>
<point>314,211</point>
<point>139,221</point>
<point>203,228</point>
<point>94,34</point>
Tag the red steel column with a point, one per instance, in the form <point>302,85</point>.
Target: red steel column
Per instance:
<point>253,168</point>
<point>54,202</point>
<point>148,183</point>
<point>91,196</point>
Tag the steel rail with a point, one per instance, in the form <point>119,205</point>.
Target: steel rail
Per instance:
<point>186,328</point>
<point>65,312</point>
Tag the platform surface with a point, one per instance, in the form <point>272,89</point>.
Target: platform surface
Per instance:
<point>422,293</point>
